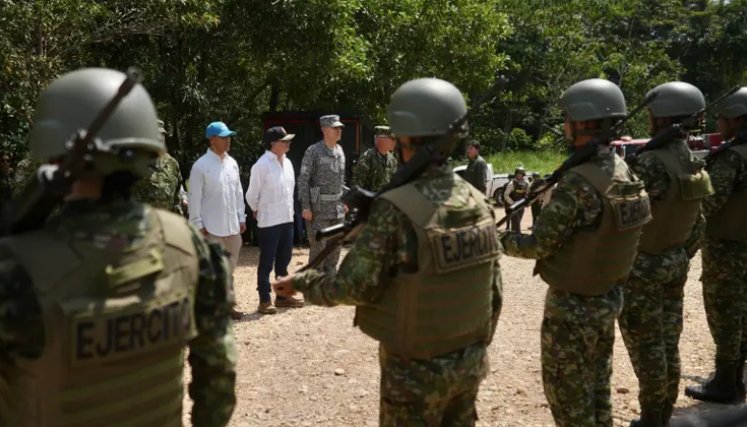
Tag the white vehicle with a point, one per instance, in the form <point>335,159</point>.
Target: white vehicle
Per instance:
<point>494,185</point>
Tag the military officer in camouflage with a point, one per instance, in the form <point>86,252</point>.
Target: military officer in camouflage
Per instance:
<point>161,188</point>
<point>23,174</point>
<point>320,187</point>
<point>477,170</point>
<point>651,319</point>
<point>725,256</point>
<point>377,164</point>
<point>423,274</point>
<point>584,242</point>
<point>97,305</point>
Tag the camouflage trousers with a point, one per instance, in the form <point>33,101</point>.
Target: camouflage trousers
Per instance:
<point>578,333</point>
<point>329,265</point>
<point>725,297</point>
<point>431,393</point>
<point>651,324</point>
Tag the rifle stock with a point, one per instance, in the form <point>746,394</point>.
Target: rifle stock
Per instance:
<point>53,183</point>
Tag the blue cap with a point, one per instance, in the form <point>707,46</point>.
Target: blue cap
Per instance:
<point>218,129</point>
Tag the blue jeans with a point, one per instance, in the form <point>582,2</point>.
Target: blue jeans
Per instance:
<point>275,245</point>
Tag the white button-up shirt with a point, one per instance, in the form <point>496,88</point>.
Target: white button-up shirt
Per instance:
<point>216,200</point>
<point>270,192</point>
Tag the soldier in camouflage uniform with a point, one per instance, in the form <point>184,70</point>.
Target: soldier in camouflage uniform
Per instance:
<point>23,174</point>
<point>584,242</point>
<point>377,165</point>
<point>320,187</point>
<point>97,304</point>
<point>161,188</point>
<point>423,273</point>
<point>725,256</point>
<point>651,320</point>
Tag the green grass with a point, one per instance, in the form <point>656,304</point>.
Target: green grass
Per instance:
<point>535,161</point>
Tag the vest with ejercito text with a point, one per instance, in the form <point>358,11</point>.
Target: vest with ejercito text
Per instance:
<point>446,305</point>
<point>116,323</point>
<point>674,216</point>
<point>593,260</point>
<point>730,222</point>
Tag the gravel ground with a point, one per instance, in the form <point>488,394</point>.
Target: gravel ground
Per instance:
<point>310,367</point>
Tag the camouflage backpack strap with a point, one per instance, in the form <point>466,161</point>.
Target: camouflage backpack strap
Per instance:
<point>412,203</point>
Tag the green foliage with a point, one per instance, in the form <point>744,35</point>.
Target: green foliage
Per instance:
<point>544,161</point>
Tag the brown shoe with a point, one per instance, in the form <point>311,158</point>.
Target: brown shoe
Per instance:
<point>290,302</point>
<point>267,308</point>
<point>235,314</point>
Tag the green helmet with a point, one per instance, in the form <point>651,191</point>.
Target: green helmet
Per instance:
<point>520,170</point>
<point>593,99</point>
<point>676,99</point>
<point>71,103</point>
<point>734,105</point>
<point>425,107</point>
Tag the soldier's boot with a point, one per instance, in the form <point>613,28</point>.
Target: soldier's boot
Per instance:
<point>650,417</point>
<point>722,388</point>
<point>740,380</point>
<point>666,413</point>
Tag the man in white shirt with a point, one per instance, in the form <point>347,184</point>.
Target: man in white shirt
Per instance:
<point>216,204</point>
<point>270,195</point>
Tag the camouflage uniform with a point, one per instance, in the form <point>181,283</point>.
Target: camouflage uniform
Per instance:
<point>161,189</point>
<point>477,173</point>
<point>374,170</point>
<point>651,319</point>
<point>24,173</point>
<point>212,354</point>
<point>319,189</point>
<point>724,276</point>
<point>578,331</point>
<point>414,392</point>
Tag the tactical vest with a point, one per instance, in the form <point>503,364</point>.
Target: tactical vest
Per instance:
<point>730,222</point>
<point>674,216</point>
<point>446,305</point>
<point>519,190</point>
<point>592,261</point>
<point>116,323</point>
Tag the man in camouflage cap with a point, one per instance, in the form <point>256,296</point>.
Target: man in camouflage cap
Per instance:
<point>320,187</point>
<point>97,305</point>
<point>162,188</point>
<point>377,164</point>
<point>584,249</point>
<point>407,265</point>
<point>725,255</point>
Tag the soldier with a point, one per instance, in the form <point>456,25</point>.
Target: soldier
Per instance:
<point>477,170</point>
<point>651,319</point>
<point>515,190</point>
<point>97,305</point>
<point>23,174</point>
<point>377,164</point>
<point>408,264</point>
<point>162,188</point>
<point>584,242</point>
<point>725,256</point>
<point>320,187</point>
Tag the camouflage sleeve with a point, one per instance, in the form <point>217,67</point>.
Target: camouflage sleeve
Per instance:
<point>497,301</point>
<point>387,242</point>
<point>723,173</point>
<point>574,204</point>
<point>361,171</point>
<point>693,242</point>
<point>21,325</point>
<point>304,176</point>
<point>175,177</point>
<point>212,354</point>
<point>653,174</point>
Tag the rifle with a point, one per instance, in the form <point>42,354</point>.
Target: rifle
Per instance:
<point>675,129</point>
<point>711,157</point>
<point>54,182</point>
<point>580,156</point>
<point>359,200</point>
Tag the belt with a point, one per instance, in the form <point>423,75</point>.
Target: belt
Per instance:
<point>330,197</point>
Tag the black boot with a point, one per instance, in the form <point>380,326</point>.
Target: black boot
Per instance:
<point>722,388</point>
<point>666,413</point>
<point>650,417</point>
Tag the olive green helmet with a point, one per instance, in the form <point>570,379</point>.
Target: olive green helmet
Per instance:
<point>425,107</point>
<point>734,105</point>
<point>593,99</point>
<point>71,103</point>
<point>676,99</point>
